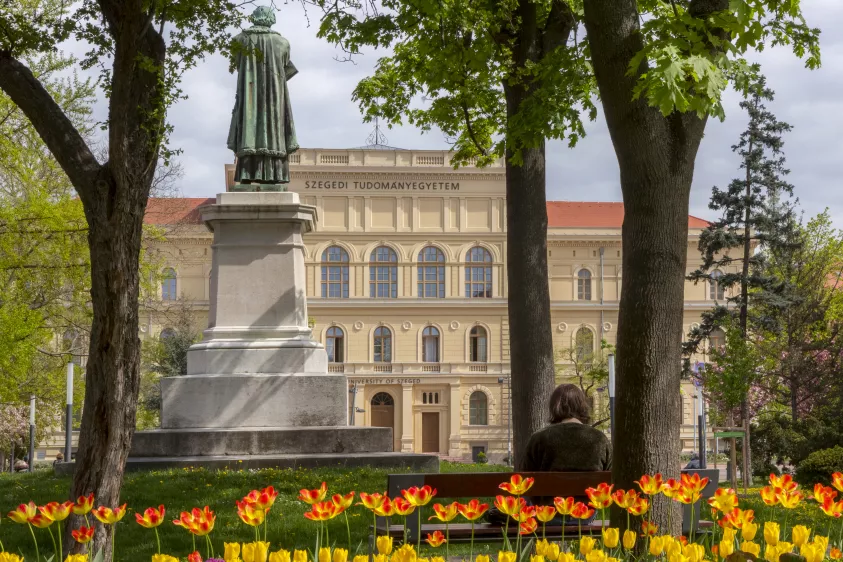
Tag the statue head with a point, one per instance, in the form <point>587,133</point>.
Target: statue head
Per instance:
<point>263,16</point>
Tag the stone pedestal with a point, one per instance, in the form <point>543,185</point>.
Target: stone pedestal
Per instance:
<point>257,392</point>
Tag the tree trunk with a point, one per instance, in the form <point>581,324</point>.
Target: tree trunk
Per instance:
<point>530,336</point>
<point>656,158</point>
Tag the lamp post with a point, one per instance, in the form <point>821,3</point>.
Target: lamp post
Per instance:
<point>701,424</point>
<point>68,422</point>
<point>502,382</point>
<point>31,433</point>
<point>612,395</point>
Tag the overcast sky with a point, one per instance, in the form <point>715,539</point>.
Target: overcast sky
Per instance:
<point>325,117</point>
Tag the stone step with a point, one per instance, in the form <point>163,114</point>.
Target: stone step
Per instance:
<point>207,442</point>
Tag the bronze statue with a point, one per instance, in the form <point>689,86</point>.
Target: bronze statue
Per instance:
<point>262,133</point>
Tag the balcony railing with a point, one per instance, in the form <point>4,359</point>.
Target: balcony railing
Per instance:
<point>419,368</point>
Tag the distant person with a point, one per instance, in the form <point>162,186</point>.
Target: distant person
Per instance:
<point>694,463</point>
<point>59,459</point>
<point>21,465</point>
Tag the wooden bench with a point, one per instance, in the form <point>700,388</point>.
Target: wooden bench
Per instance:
<point>466,486</point>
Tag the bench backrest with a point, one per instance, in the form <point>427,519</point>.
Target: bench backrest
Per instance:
<point>485,484</point>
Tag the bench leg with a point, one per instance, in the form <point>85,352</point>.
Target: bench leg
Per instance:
<point>371,548</point>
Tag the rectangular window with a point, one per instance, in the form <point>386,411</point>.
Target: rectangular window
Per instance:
<point>478,282</point>
<point>476,450</point>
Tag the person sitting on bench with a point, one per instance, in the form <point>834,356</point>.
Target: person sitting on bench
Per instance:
<point>568,444</point>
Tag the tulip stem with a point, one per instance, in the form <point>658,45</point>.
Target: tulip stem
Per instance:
<point>194,541</point>
<point>471,549</point>
<point>55,548</point>
<point>157,539</point>
<point>265,525</point>
<point>347,529</point>
<point>61,544</point>
<point>418,537</point>
<point>693,524</point>
<point>447,543</point>
<point>113,534</point>
<point>37,554</point>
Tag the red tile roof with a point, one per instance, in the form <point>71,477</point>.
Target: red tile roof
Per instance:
<point>175,210</point>
<point>576,214</point>
<point>560,214</point>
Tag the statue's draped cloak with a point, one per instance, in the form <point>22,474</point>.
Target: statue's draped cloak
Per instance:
<point>262,134</point>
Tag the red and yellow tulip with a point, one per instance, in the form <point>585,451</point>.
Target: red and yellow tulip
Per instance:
<point>837,481</point>
<point>446,513</point>
<point>473,510</point>
<point>322,511</point>
<point>769,495</point>
<point>517,485</point>
<point>725,500</point>
<point>564,506</point>
<point>528,527</point>
<point>41,521</point>
<point>314,496</point>
<point>403,507</point>
<point>791,499</point>
<point>625,499</point>
<point>250,513</point>
<point>372,501</point>
<point>83,534</point>
<point>650,485</point>
<point>640,507</point>
<point>57,511</point>
<point>386,509</point>
<point>24,513</point>
<point>199,522</point>
<point>152,517</point>
<point>736,518</point>
<point>436,539</point>
<point>83,505</point>
<point>343,502</point>
<point>581,511</point>
<point>194,556</point>
<point>545,513</point>
<point>108,516</point>
<point>649,529</point>
<point>601,496</point>
<point>670,487</point>
<point>419,496</point>
<point>262,499</point>
<point>527,512</point>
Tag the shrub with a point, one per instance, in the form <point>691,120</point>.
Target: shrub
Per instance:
<point>482,458</point>
<point>819,465</point>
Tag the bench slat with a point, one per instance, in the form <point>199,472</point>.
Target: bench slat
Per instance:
<point>546,483</point>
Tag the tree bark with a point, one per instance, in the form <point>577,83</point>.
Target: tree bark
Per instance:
<point>656,158</point>
<point>531,339</point>
<point>114,197</point>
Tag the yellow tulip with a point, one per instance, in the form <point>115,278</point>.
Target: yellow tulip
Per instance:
<point>70,558</point>
<point>566,557</point>
<point>771,533</point>
<point>255,551</point>
<point>432,559</point>
<point>361,558</point>
<point>694,552</point>
<point>751,547</point>
<point>586,545</point>
<point>232,551</point>
<point>629,539</point>
<point>9,557</point>
<point>729,535</point>
<point>381,558</point>
<point>726,548</point>
<point>324,554</point>
<point>800,534</point>
<point>656,546</point>
<point>384,545</point>
<point>748,531</point>
<point>672,547</point>
<point>677,557</point>
<point>595,556</point>
<point>506,556</point>
<point>534,558</point>
<point>812,552</point>
<point>481,558</point>
<point>284,556</point>
<point>551,552</point>
<point>821,541</point>
<point>405,553</point>
<point>156,558</point>
<point>611,536</point>
<point>299,556</point>
<point>340,555</point>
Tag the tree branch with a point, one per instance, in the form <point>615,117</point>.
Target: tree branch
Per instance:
<point>58,133</point>
<point>557,29</point>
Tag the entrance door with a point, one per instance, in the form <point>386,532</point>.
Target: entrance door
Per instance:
<point>383,412</point>
<point>430,432</point>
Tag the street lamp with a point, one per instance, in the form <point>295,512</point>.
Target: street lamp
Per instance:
<point>612,395</point>
<point>502,382</point>
<point>31,433</point>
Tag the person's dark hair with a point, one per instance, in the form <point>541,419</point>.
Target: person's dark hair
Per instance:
<point>567,402</point>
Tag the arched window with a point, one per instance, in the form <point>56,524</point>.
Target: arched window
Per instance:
<point>424,397</point>
<point>430,345</point>
<point>431,273</point>
<point>716,339</point>
<point>334,273</point>
<point>335,344</point>
<point>167,333</point>
<point>716,291</point>
<point>383,345</point>
<point>584,285</point>
<point>478,408</point>
<point>478,273</point>
<point>168,285</point>
<point>478,345</point>
<point>584,344</point>
<point>383,273</point>
<point>382,399</point>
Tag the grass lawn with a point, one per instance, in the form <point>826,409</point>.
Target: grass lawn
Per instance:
<point>182,490</point>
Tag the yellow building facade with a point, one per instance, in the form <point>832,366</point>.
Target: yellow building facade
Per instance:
<point>406,286</point>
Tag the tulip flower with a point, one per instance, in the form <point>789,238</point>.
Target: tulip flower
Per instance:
<point>9,557</point>
<point>586,545</point>
<point>625,499</point>
<point>40,521</point>
<point>284,556</point>
<point>506,556</point>
<point>670,487</point>
<point>473,510</point>
<point>581,511</point>
<point>251,514</point>
<point>436,539</point>
<point>564,505</point>
<point>446,513</point>
<point>748,531</point>
<point>150,519</point>
<point>299,556</point>
<point>737,518</point>
<point>611,537</point>
<point>405,553</point>
<point>601,496</point>
<point>257,551</point>
<point>322,511</point>
<point>510,505</point>
<point>192,557</point>
<point>771,533</point>
<point>837,481</point>
<point>262,499</point>
<point>57,511</point>
<point>108,516</point>
<point>432,559</point>
<point>528,527</point>
<point>24,513</point>
<point>419,497</point>
<point>783,483</point>
<point>690,488</point>
<point>371,501</point>
<point>403,507</point>
<point>70,558</point>
<point>83,505</point>
<point>536,558</point>
<point>640,507</point>
<point>629,539</point>
<point>343,502</point>
<point>820,492</point>
<point>800,534</point>
<point>545,513</point>
<point>648,528</point>
<point>232,551</point>
<point>551,551</point>
<point>517,485</point>
<point>812,553</point>
<point>340,555</point>
<point>386,509</point>
<point>168,558</point>
<point>769,495</point>
<point>789,500</point>
<point>315,496</point>
<point>566,557</point>
<point>527,512</point>
<point>725,500</point>
<point>596,556</point>
<point>384,545</point>
<point>726,548</point>
<point>832,508</point>
<point>836,553</point>
<point>83,534</point>
<point>650,485</point>
<point>324,555</point>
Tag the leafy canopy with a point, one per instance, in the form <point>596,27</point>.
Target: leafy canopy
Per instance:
<point>451,60</point>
